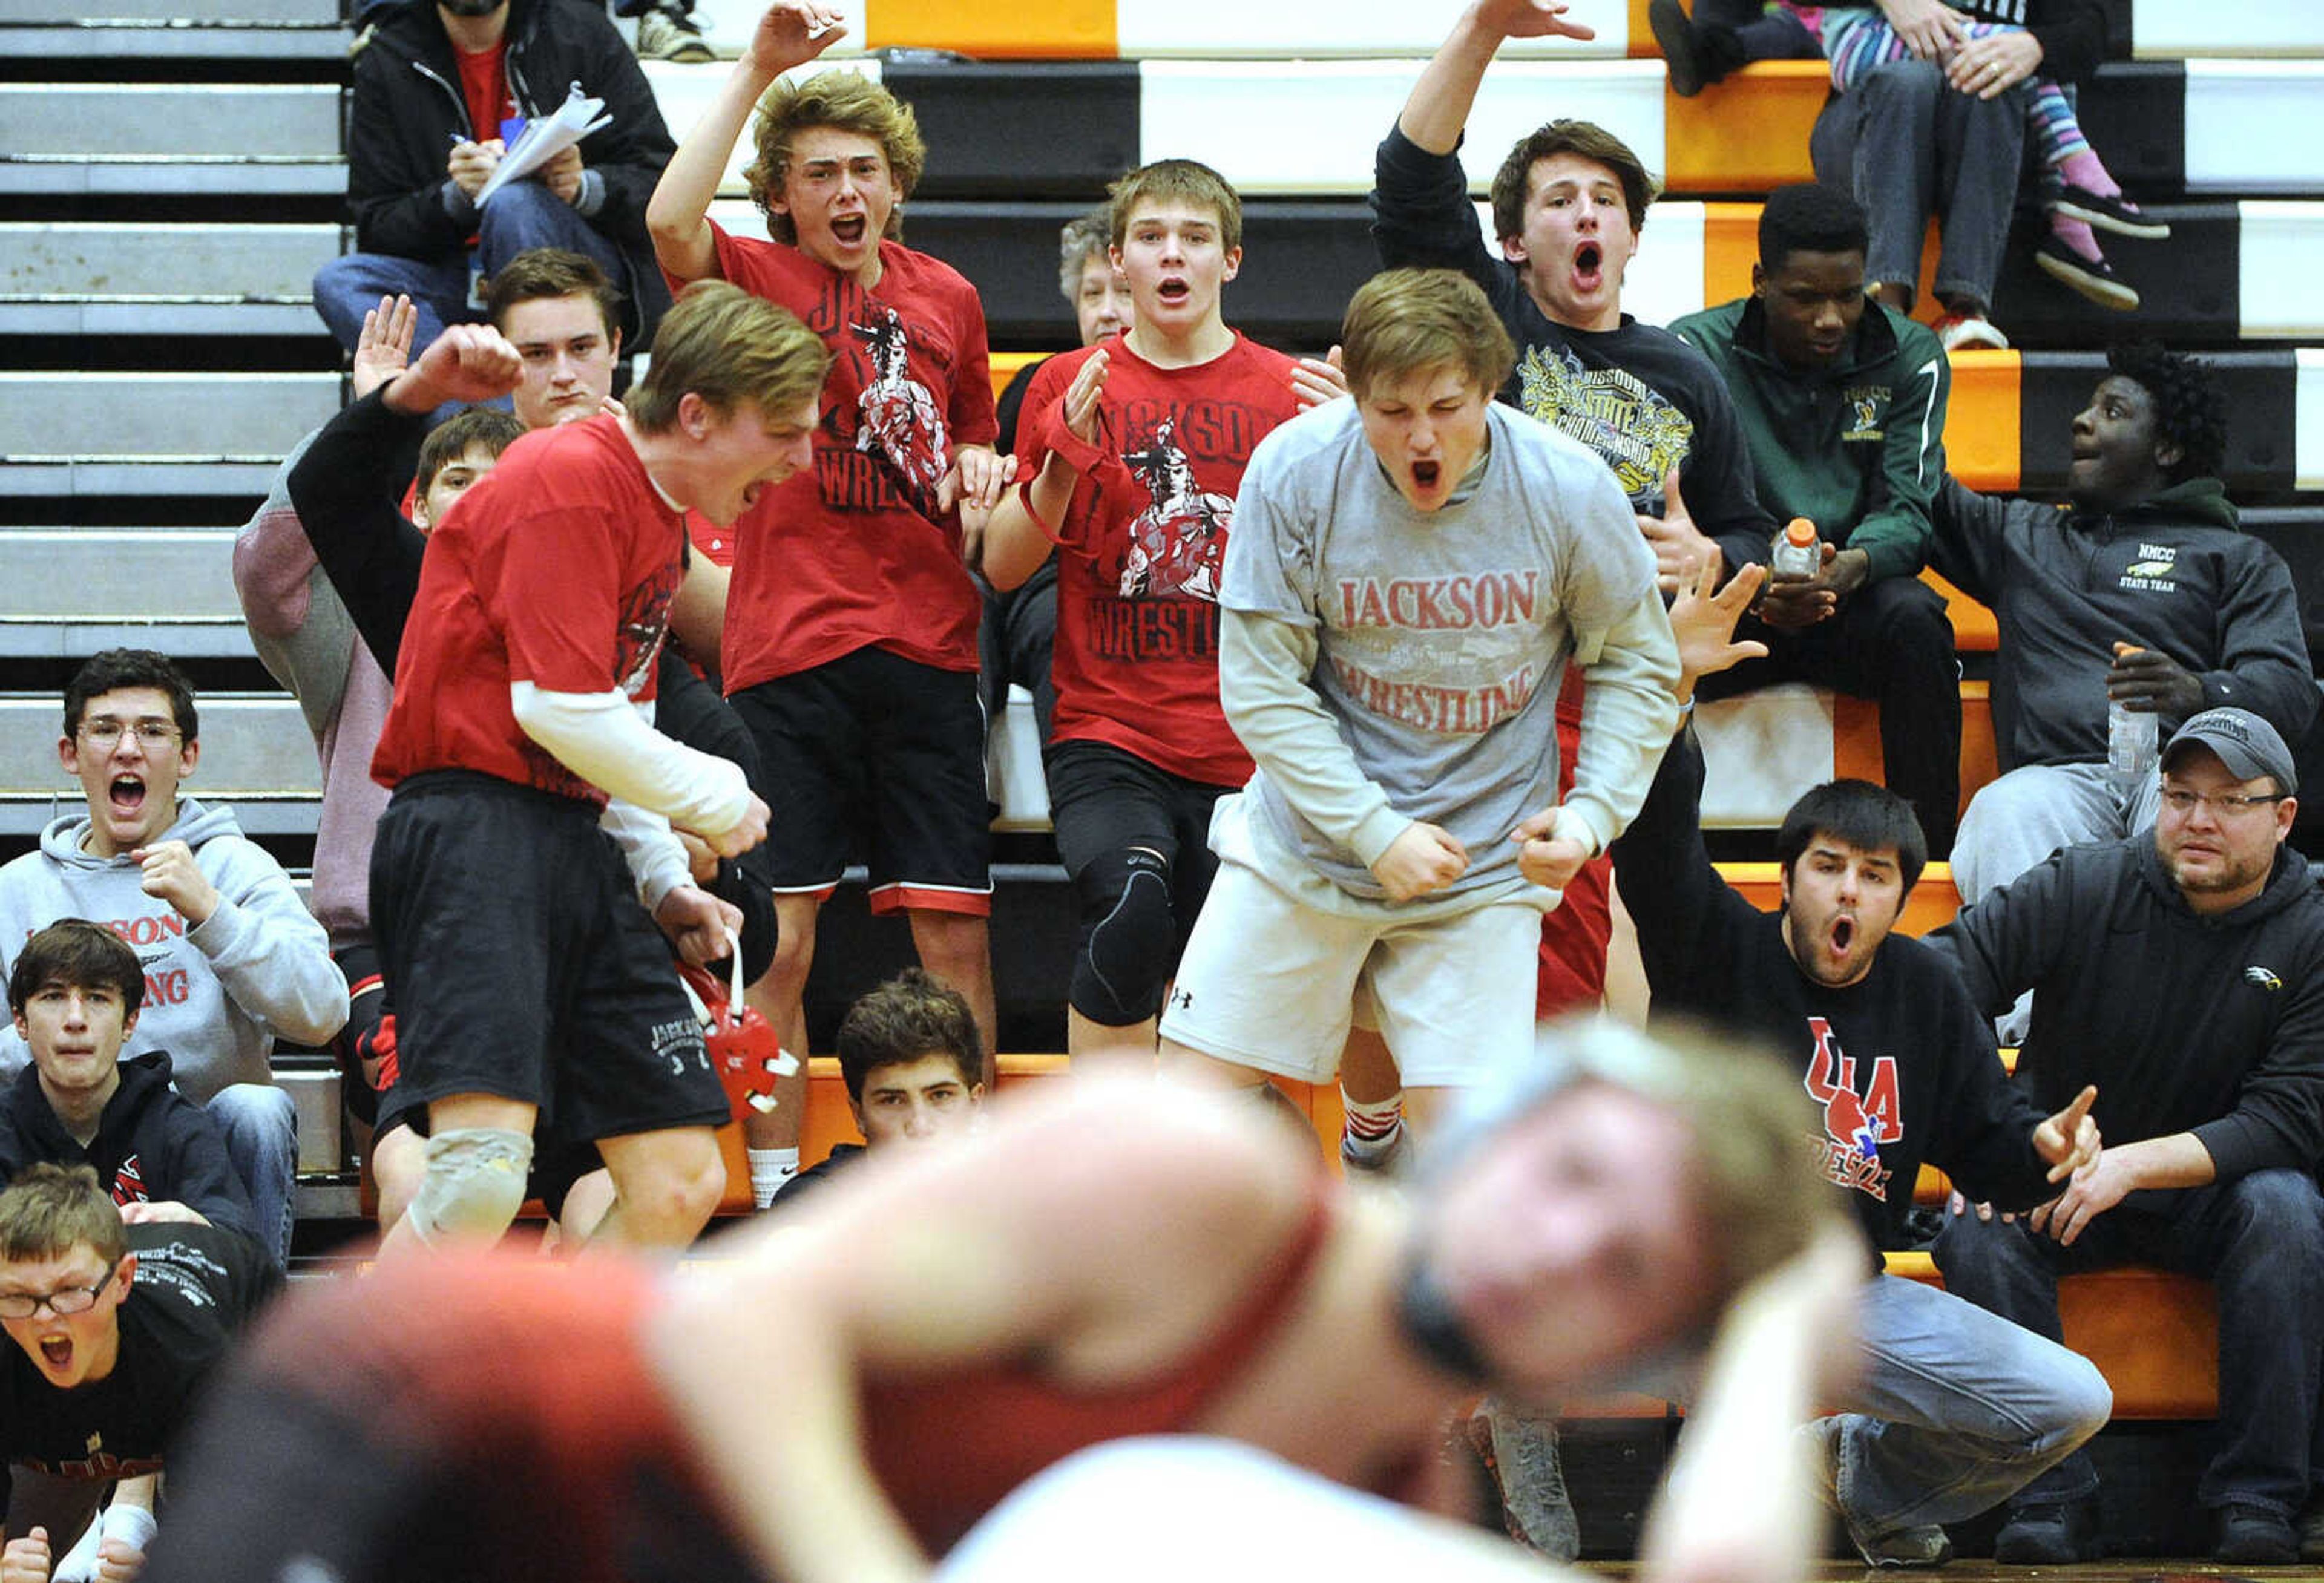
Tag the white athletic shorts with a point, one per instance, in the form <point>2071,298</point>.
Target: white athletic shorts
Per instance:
<point>1276,962</point>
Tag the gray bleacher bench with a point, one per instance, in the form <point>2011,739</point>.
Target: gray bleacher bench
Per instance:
<point>170,139</point>
<point>153,434</point>
<point>131,279</point>
<point>71,592</point>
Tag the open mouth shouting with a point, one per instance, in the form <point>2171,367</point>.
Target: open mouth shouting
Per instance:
<point>125,795</point>
<point>850,230</point>
<point>1173,290</point>
<point>1588,267</point>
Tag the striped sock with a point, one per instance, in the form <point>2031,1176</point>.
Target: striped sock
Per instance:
<point>1370,1130</point>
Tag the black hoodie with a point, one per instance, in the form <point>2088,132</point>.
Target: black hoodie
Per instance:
<point>2213,1026</point>
<point>2173,574</point>
<point>153,1144</point>
<point>407,111</point>
<point>1896,1068</point>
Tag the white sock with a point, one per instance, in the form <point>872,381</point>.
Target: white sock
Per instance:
<point>770,1171</point>
<point>1371,1130</point>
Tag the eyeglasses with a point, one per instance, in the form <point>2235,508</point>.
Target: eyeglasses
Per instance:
<point>64,1301</point>
<point>2223,805</point>
<point>105,731</point>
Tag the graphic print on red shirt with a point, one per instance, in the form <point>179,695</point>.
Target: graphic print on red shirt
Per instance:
<point>559,575</point>
<point>1141,545</point>
<point>854,554</point>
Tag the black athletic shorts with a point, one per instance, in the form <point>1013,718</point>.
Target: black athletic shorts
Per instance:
<point>1103,799</point>
<point>522,965</point>
<point>879,756</point>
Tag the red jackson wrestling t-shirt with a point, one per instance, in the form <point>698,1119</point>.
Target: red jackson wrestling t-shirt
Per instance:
<point>853,553</point>
<point>557,568</point>
<point>1140,546</point>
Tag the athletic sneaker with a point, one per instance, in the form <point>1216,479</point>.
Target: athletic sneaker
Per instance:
<point>1957,332</point>
<point>2117,213</point>
<point>1520,1451</point>
<point>671,36</point>
<point>2094,278</point>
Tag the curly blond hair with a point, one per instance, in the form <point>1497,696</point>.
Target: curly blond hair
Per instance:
<point>850,101</point>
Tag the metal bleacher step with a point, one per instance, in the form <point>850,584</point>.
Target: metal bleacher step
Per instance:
<point>80,277</point>
<point>51,420</point>
<point>179,38</point>
<point>171,120</point>
<point>74,591</point>
<point>180,139</point>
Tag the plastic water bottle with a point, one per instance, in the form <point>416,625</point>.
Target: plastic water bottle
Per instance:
<point>1796,552</point>
<point>2131,733</point>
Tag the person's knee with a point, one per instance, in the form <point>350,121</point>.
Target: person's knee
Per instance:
<point>2085,1400</point>
<point>473,1185</point>
<point>1912,86</point>
<point>1126,948</point>
<point>257,1117</point>
<point>1973,1251</point>
<point>956,947</point>
<point>2280,1212</point>
<point>1913,627</point>
<point>670,1190</point>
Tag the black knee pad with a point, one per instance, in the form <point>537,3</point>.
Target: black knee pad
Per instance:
<point>1129,937</point>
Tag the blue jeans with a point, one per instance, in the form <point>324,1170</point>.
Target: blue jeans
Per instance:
<point>2260,1238</point>
<point>1955,1410</point>
<point>1909,147</point>
<point>261,1142</point>
<point>521,215</point>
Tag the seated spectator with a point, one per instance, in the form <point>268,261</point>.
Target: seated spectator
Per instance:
<point>914,1066</point>
<point>1020,630</point>
<point>1948,1410</point>
<point>2180,969</point>
<point>1109,1260</point>
<point>117,1329</point>
<point>1134,450</point>
<point>1843,404</point>
<point>2145,556</point>
<point>74,991</point>
<point>464,76</point>
<point>233,959</point>
<point>1929,117</point>
<point>1986,58</point>
<point>1724,36</point>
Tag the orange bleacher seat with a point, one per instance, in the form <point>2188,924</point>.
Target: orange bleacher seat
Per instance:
<point>2152,1333</point>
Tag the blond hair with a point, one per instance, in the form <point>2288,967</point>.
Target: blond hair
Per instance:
<point>1401,322</point>
<point>728,348</point>
<point>49,1208</point>
<point>847,101</point>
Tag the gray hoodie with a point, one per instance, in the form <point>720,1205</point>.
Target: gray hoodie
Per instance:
<point>216,995</point>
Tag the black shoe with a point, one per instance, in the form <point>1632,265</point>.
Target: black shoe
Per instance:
<point>2254,1536</point>
<point>1680,52</point>
<point>2039,1536</point>
<point>2094,278</point>
<point>2311,1531</point>
<point>2102,213</point>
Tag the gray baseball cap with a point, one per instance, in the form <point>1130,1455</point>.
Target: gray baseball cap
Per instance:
<point>2247,745</point>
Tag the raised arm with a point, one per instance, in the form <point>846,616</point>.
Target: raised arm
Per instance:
<point>1439,105</point>
<point>791,33</point>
